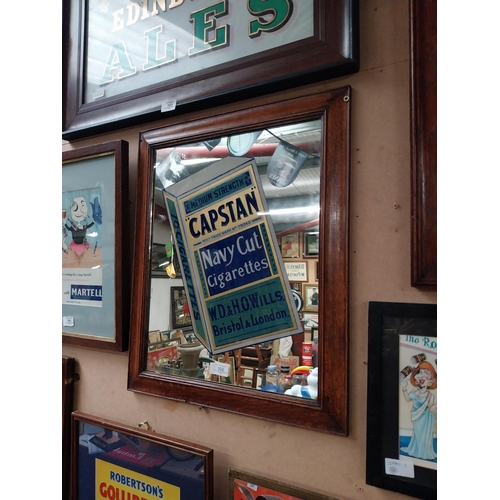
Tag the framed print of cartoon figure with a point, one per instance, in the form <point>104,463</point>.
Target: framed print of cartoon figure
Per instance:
<point>95,276</point>
<point>402,398</point>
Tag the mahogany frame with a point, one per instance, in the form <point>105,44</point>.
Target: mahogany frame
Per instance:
<point>332,51</point>
<point>423,123</point>
<point>329,413</point>
<point>69,377</point>
<point>140,436</point>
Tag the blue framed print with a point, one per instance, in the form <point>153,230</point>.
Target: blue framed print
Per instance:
<point>95,288</point>
<point>114,460</point>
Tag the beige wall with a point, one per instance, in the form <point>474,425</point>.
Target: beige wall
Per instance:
<point>379,270</point>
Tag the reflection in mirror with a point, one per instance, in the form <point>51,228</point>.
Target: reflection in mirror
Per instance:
<point>288,160</point>
<point>309,210</point>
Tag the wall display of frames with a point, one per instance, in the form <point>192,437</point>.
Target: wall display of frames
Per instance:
<point>124,66</point>
<point>114,460</point>
<point>95,246</point>
<point>401,447</point>
<point>293,241</point>
<point>303,121</point>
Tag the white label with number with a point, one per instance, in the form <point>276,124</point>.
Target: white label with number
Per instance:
<point>399,468</point>
<point>220,369</point>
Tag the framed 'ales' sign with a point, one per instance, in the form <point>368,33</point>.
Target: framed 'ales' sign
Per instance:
<point>129,62</point>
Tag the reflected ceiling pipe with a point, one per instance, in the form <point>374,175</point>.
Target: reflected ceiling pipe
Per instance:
<point>256,150</point>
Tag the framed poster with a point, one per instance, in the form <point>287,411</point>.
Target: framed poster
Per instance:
<point>290,246</point>
<point>310,320</point>
<point>179,308</point>
<point>423,129</point>
<point>401,449</point>
<point>113,460</point>
<point>296,270</point>
<point>311,297</point>
<point>243,486</point>
<point>95,283</point>
<point>311,244</point>
<point>163,355</point>
<point>126,63</point>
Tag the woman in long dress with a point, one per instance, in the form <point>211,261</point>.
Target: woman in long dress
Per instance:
<point>423,411</point>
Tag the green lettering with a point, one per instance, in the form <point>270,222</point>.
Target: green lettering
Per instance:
<point>203,27</point>
<point>280,10</point>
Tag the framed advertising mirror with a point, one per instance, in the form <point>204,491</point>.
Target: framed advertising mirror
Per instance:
<point>311,206</point>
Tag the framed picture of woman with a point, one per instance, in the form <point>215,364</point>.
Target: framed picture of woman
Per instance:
<point>401,450</point>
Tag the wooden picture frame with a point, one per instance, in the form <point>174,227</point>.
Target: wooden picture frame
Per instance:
<point>423,129</point>
<point>108,86</point>
<point>95,246</point>
<point>401,438</point>
<point>224,358</point>
<point>311,297</point>
<point>179,308</point>
<point>311,320</point>
<point>329,413</point>
<point>314,332</point>
<point>69,377</point>
<point>296,270</point>
<point>162,353</point>
<point>108,455</point>
<point>290,246</point>
<point>311,244</point>
<point>158,260</point>
<point>243,485</point>
<point>154,336</point>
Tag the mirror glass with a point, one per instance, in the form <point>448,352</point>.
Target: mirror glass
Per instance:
<point>300,144</point>
<point>288,159</point>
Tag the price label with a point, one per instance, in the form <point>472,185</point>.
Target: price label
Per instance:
<point>399,468</point>
<point>168,106</point>
<point>220,369</point>
<point>68,321</point>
